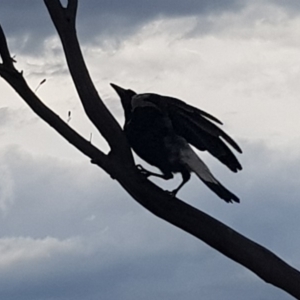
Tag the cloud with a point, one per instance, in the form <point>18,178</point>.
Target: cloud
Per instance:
<point>17,250</point>
<point>133,13</point>
<point>6,188</point>
<point>292,6</point>
<point>73,229</point>
<point>120,19</point>
<point>5,116</point>
<point>28,24</point>
<point>110,23</point>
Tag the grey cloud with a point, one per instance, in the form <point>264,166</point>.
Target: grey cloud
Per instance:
<point>5,116</point>
<point>169,276</point>
<point>28,24</point>
<point>16,118</point>
<point>135,13</point>
<point>129,253</point>
<point>292,6</point>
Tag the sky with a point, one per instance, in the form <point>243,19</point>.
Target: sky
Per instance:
<point>67,230</point>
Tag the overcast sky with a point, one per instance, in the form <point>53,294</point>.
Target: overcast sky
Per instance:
<point>67,230</point>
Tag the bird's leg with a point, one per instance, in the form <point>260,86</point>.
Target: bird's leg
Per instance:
<point>149,173</point>
<point>186,175</point>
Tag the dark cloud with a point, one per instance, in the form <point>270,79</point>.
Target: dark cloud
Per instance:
<point>292,6</point>
<point>143,8</point>
<point>28,24</point>
<point>123,252</point>
<point>165,276</point>
<point>135,13</point>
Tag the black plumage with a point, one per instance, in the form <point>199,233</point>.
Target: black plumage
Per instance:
<point>159,129</point>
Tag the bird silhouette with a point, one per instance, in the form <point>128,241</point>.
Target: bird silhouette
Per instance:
<point>160,130</point>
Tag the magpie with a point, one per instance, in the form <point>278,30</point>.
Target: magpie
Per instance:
<point>160,130</point>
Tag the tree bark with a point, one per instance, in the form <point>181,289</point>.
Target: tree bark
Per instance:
<point>119,162</point>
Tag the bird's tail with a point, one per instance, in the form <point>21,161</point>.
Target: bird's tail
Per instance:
<point>196,165</point>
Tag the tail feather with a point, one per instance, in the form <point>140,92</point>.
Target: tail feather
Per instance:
<point>197,166</point>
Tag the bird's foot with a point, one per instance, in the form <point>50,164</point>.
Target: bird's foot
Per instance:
<point>147,173</point>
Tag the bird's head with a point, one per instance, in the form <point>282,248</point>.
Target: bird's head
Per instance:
<point>125,96</point>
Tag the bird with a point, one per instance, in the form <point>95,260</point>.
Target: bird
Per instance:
<point>161,130</point>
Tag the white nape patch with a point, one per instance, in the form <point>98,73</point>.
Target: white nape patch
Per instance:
<point>196,165</point>
<point>141,101</point>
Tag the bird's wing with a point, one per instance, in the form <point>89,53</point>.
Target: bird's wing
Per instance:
<point>170,102</point>
<point>197,128</point>
<point>205,136</point>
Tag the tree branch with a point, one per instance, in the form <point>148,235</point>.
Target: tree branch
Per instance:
<point>119,163</point>
<point>4,51</point>
<point>222,238</point>
<point>72,7</point>
<point>64,20</point>
<point>17,81</point>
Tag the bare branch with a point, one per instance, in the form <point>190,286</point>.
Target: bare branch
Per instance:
<point>4,51</point>
<point>222,238</point>
<point>16,80</point>
<point>72,7</point>
<point>100,116</point>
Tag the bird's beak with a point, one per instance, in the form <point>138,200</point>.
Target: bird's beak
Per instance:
<point>120,91</point>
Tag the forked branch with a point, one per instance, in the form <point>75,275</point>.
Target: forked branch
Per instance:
<point>17,81</point>
<point>64,20</point>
